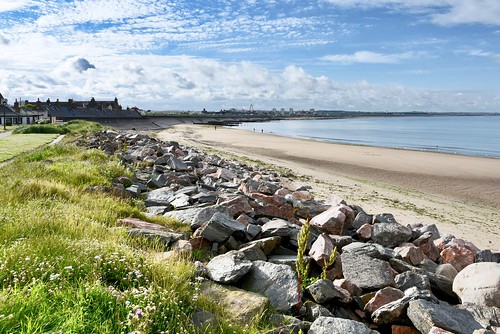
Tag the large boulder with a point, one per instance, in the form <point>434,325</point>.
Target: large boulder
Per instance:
<point>228,268</point>
<point>425,314</point>
<point>366,272</point>
<point>277,282</point>
<point>240,305</point>
<point>329,325</point>
<point>479,283</point>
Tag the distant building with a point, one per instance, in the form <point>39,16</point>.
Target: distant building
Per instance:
<point>89,110</point>
<point>16,116</point>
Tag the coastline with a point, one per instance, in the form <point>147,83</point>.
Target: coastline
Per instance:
<point>460,194</point>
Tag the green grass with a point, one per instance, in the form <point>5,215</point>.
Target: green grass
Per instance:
<point>75,126</point>
<point>66,267</point>
<point>14,145</point>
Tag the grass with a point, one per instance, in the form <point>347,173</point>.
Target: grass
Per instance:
<point>14,145</point>
<point>66,267</point>
<point>75,126</point>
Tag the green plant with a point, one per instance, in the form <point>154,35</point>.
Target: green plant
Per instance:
<point>302,264</point>
<point>329,263</point>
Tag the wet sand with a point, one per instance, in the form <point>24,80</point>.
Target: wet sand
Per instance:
<point>460,194</point>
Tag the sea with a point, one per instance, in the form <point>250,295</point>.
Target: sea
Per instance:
<point>463,135</point>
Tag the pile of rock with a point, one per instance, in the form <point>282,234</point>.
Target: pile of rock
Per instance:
<point>387,278</point>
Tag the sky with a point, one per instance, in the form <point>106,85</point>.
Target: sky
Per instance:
<point>367,55</point>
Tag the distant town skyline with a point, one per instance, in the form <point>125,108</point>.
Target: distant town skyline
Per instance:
<point>368,55</point>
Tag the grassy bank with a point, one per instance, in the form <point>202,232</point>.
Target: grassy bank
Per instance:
<point>14,145</point>
<point>66,267</point>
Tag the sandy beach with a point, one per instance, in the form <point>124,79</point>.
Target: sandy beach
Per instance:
<point>460,194</point>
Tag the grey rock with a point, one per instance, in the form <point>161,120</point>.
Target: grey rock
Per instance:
<point>276,227</point>
<point>287,325</point>
<point>253,252</point>
<point>390,234</point>
<point>180,201</point>
<point>430,228</point>
<point>487,256</point>
<point>157,210</point>
<point>176,164</point>
<point>314,311</point>
<point>253,231</point>
<point>267,245</point>
<point>447,270</point>
<point>329,325</point>
<point>366,272</point>
<point>288,260</point>
<point>410,279</point>
<point>485,315</point>
<point>185,216</point>
<point>384,218</point>
<point>204,319</point>
<point>205,214</point>
<point>228,268</point>
<point>164,237</point>
<point>323,291</point>
<point>158,197</point>
<point>220,227</point>
<point>425,314</point>
<point>275,281</point>
<point>361,219</point>
<point>372,250</point>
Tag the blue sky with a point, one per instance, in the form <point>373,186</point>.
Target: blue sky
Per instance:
<point>371,55</point>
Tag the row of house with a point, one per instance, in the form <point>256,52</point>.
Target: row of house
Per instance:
<point>30,112</point>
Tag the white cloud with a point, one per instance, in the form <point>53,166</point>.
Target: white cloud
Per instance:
<point>441,12</point>
<point>370,57</point>
<point>10,5</point>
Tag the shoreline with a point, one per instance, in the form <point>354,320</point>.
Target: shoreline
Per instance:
<point>460,194</point>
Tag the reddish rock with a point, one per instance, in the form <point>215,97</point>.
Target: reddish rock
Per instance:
<point>462,243</point>
<point>243,218</point>
<point>282,192</point>
<point>248,186</point>
<point>426,244</point>
<point>200,243</point>
<point>410,253</point>
<point>302,195</point>
<point>382,297</point>
<point>440,243</point>
<point>458,257</point>
<point>237,205</point>
<point>397,329</point>
<point>348,286</point>
<point>223,173</point>
<point>322,249</point>
<point>272,206</point>
<point>365,232</point>
<point>331,221</point>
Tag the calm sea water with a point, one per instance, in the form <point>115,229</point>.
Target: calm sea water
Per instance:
<point>465,135</point>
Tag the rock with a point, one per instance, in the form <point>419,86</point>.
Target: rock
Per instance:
<point>253,231</point>
<point>220,227</point>
<point>437,330</point>
<point>371,250</point>
<point>446,270</point>
<point>347,285</point>
<point>163,237</point>
<point>329,325</point>
<point>390,234</point>
<point>289,260</point>
<point>137,223</point>
<point>366,272</point>
<point>365,232</point>
<point>322,249</point>
<point>382,297</point>
<point>314,311</point>
<point>398,329</point>
<point>275,281</point>
<point>204,319</point>
<point>424,315</point>
<point>287,325</point>
<point>322,291</point>
<point>253,252</point>
<point>485,315</point>
<point>267,245</point>
<point>237,205</point>
<point>175,164</point>
<point>410,253</point>
<point>240,305</point>
<point>426,244</point>
<point>458,256</point>
<point>159,197</point>
<point>224,174</point>
<point>330,221</point>
<point>410,279</point>
<point>384,218</point>
<point>186,216</point>
<point>432,229</point>
<point>228,268</point>
<point>479,284</point>
<point>362,218</point>
<point>276,227</point>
